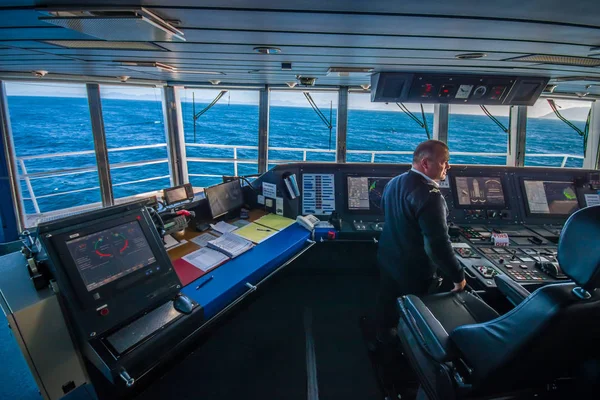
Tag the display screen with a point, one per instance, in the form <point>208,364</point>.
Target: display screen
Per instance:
<point>551,197</point>
<point>365,193</point>
<point>176,194</point>
<point>224,197</point>
<point>108,255</point>
<point>482,191</point>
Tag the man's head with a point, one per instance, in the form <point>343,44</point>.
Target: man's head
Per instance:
<point>431,158</point>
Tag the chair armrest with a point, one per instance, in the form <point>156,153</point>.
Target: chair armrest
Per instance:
<point>426,328</point>
<point>514,292</point>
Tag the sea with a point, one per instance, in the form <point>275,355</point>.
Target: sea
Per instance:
<point>55,125</point>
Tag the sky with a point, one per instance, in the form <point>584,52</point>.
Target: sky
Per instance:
<point>278,98</point>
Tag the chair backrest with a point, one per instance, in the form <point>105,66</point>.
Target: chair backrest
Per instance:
<point>554,329</point>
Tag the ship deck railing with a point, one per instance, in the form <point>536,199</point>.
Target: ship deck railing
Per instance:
<point>26,177</point>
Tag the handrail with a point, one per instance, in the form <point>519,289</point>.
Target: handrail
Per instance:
<point>235,160</point>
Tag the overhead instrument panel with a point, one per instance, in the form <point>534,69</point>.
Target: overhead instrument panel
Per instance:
<point>456,89</point>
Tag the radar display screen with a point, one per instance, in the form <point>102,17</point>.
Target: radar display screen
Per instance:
<point>551,197</point>
<point>365,193</point>
<point>108,255</point>
<point>481,191</point>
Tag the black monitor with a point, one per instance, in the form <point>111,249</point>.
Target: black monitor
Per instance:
<point>178,194</point>
<point>479,192</point>
<point>365,193</point>
<point>558,198</point>
<point>224,198</point>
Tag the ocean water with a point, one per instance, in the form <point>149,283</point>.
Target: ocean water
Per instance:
<point>43,125</point>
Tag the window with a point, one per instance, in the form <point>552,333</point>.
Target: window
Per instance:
<point>222,140</point>
<point>471,131</point>
<point>54,146</point>
<point>297,132</point>
<point>135,139</point>
<point>546,134</point>
<point>381,132</point>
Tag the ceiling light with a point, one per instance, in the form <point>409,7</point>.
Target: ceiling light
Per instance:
<point>349,71</point>
<point>101,44</point>
<point>365,86</point>
<point>147,64</point>
<point>582,94</point>
<point>470,56</point>
<point>123,78</point>
<point>267,50</point>
<point>306,80</point>
<point>558,60</point>
<point>40,73</point>
<point>291,84</point>
<point>214,81</point>
<point>192,71</point>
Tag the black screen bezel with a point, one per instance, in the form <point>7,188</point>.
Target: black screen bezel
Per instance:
<point>486,174</point>
<point>544,215</point>
<point>210,189</point>
<point>346,197</point>
<point>118,287</point>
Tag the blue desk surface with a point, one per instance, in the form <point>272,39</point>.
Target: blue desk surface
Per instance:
<point>229,280</point>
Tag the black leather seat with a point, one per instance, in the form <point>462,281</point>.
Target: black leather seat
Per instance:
<point>461,348</point>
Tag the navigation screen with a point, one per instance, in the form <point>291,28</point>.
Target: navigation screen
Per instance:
<point>551,197</point>
<point>108,255</point>
<point>175,195</point>
<point>479,191</point>
<point>364,193</point>
<point>224,197</point>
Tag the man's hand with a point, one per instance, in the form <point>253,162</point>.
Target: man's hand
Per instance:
<point>459,287</point>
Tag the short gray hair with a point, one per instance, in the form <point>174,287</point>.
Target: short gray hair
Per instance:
<point>427,149</point>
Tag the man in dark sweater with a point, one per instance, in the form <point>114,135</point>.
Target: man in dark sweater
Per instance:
<point>415,241</point>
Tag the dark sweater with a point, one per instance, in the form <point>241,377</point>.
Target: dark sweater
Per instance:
<point>415,241</point>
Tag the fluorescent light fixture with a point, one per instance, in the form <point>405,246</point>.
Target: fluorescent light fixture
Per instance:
<point>470,56</point>
<point>349,71</point>
<point>103,44</point>
<point>165,67</point>
<point>267,50</point>
<point>558,60</point>
<point>214,81</point>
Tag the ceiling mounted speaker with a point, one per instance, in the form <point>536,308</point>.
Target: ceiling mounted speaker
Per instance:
<point>113,23</point>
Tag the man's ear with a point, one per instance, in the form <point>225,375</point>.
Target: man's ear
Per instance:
<point>424,163</point>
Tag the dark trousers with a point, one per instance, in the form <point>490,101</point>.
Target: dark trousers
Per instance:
<point>389,290</point>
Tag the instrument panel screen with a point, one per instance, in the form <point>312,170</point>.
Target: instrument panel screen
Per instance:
<point>365,193</point>
<point>550,197</point>
<point>480,191</point>
<point>110,254</point>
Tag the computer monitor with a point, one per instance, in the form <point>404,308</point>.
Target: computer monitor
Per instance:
<point>224,198</point>
<point>550,197</point>
<point>178,194</point>
<point>479,191</point>
<point>365,193</point>
<point>110,254</point>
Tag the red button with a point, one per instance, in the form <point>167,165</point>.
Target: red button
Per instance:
<point>104,312</point>
<point>331,235</point>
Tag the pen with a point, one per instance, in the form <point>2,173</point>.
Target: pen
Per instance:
<point>264,230</point>
<point>205,282</point>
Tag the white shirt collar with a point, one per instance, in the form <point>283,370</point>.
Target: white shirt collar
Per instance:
<point>426,177</point>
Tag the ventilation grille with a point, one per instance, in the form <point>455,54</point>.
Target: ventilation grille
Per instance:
<point>100,44</point>
<point>560,60</point>
<point>115,24</point>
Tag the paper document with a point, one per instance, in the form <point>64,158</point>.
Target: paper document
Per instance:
<point>202,240</point>
<point>205,259</point>
<point>170,242</point>
<point>592,199</point>
<point>255,233</point>
<point>240,222</point>
<point>274,221</point>
<point>223,227</point>
<point>230,244</point>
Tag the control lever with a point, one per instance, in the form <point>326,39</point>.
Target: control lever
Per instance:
<point>129,381</point>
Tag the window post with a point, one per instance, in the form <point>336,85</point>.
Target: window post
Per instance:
<point>592,158</point>
<point>99,135</point>
<point>263,130</point>
<point>175,136</point>
<point>12,216</point>
<point>440,122</point>
<point>342,125</point>
<point>517,135</point>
